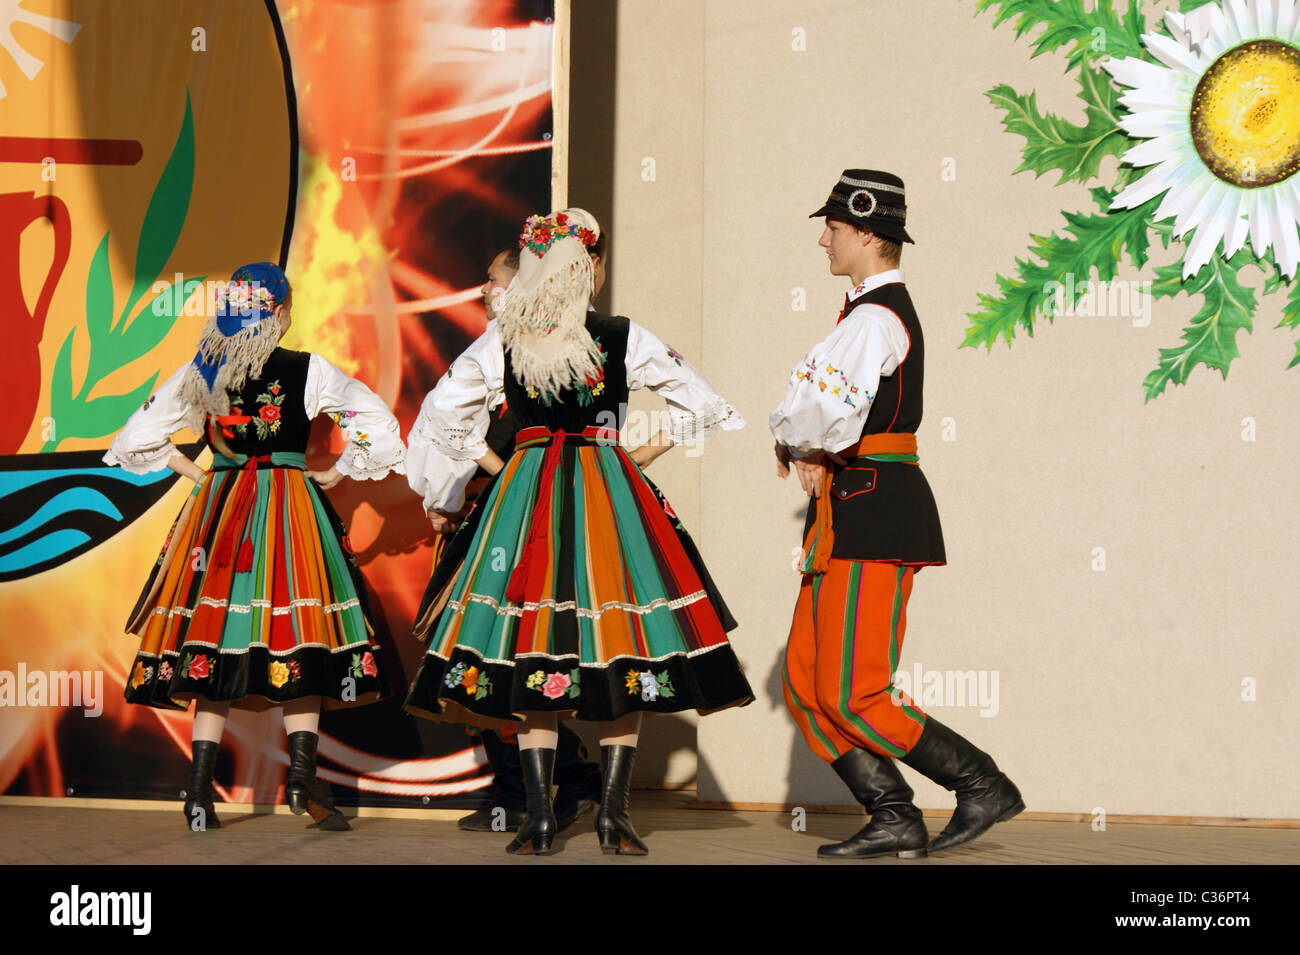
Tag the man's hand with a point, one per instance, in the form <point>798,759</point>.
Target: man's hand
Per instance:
<point>326,479</point>
<point>444,522</point>
<point>782,460</point>
<point>812,471</point>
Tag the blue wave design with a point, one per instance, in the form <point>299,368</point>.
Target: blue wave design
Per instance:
<point>11,481</point>
<point>73,499</point>
<point>47,548</point>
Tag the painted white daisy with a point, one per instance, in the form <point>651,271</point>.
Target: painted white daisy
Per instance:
<point>1220,114</point>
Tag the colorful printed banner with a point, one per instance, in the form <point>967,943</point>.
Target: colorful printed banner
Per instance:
<point>382,153</point>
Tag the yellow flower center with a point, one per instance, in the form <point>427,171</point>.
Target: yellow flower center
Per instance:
<point>1245,124</point>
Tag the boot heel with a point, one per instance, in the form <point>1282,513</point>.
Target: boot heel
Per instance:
<point>1015,810</point>
<point>304,792</point>
<point>615,843</point>
<point>542,845</point>
<point>913,854</point>
<point>613,827</point>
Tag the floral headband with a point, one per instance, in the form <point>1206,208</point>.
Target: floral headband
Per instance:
<point>244,298</point>
<point>542,232</point>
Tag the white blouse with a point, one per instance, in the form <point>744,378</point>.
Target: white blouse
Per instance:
<point>831,390</point>
<point>374,438</point>
<point>450,432</point>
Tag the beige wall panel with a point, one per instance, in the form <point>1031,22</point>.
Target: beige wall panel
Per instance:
<point>1118,688</point>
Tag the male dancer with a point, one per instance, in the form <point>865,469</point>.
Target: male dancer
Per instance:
<point>577,780</point>
<point>848,426</point>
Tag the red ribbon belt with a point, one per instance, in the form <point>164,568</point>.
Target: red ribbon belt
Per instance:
<point>243,497</point>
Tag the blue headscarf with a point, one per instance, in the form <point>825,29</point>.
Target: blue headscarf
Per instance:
<point>247,301</point>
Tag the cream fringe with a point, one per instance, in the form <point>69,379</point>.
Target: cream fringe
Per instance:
<point>551,361</point>
<point>246,352</point>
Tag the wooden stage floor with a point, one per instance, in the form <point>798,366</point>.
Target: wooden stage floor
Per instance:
<point>675,833</point>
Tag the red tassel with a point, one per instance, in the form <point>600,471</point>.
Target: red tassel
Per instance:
<point>245,562</point>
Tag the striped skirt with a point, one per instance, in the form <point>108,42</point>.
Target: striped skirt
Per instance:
<point>255,598</point>
<point>571,588</point>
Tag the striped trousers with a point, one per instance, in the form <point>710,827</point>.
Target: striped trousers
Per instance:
<point>839,664</point>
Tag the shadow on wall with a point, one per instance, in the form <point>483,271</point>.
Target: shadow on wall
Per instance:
<point>593,71</point>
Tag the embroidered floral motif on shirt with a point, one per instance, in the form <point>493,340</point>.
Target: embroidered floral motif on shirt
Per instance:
<point>141,675</point>
<point>267,421</point>
<point>344,420</point>
<point>164,671</point>
<point>675,355</point>
<point>828,379</point>
<point>651,685</point>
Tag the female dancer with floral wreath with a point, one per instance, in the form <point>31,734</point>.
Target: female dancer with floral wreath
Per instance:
<point>568,590</point>
<point>256,600</point>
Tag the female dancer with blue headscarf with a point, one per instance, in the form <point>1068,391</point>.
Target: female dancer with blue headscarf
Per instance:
<point>256,600</point>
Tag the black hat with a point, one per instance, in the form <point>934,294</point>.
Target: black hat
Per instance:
<point>869,199</point>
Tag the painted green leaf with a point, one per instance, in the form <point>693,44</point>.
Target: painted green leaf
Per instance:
<point>1211,337</point>
<point>1093,243</point>
<point>99,295</point>
<point>102,416</point>
<point>1090,34</point>
<point>115,345</point>
<point>165,216</point>
<point>1052,143</point>
<point>61,397</point>
<point>1290,312</point>
<point>155,320</point>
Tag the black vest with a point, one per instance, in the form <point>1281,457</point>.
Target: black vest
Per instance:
<point>273,403</point>
<point>602,403</point>
<point>897,405</point>
<point>884,510</point>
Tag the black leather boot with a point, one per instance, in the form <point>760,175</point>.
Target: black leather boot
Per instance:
<point>612,823</point>
<point>539,826</point>
<point>896,826</point>
<point>577,782</point>
<point>506,800</point>
<point>199,811</point>
<point>984,794</point>
<point>491,818</point>
<point>303,791</point>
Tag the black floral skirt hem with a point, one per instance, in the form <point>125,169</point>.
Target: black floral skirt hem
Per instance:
<point>466,689</point>
<point>256,679</point>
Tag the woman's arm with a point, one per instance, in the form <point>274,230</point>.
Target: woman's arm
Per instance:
<point>186,468</point>
<point>644,456</point>
<point>374,445</point>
